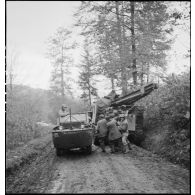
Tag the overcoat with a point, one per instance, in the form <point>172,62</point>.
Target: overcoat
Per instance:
<point>113,130</point>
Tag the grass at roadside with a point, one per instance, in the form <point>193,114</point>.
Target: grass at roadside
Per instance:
<point>34,174</point>
<point>19,136</point>
<point>16,158</point>
<point>171,145</point>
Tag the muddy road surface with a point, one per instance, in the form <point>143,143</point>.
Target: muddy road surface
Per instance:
<point>139,171</point>
<point>136,172</point>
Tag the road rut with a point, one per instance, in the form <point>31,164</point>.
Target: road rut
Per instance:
<point>135,172</point>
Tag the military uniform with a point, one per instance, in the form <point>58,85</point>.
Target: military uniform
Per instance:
<point>114,134</point>
<point>62,113</point>
<point>102,132</point>
<point>124,130</point>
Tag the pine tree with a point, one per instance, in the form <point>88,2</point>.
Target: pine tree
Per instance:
<point>107,54</point>
<point>86,76</point>
<point>103,29</point>
<point>59,46</point>
<point>133,33</point>
<point>151,36</point>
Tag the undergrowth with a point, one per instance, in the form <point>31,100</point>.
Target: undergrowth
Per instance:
<point>167,114</point>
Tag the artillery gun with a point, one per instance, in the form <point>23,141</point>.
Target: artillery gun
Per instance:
<point>125,105</point>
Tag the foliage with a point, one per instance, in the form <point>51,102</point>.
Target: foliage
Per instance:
<point>26,107</point>
<point>130,38</point>
<point>86,76</point>
<point>169,106</point>
<point>15,158</point>
<point>12,56</point>
<point>58,48</point>
<point>170,102</point>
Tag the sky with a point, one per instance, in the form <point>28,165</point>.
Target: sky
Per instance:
<point>30,24</point>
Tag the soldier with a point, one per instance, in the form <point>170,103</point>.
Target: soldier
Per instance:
<point>102,131</point>
<point>114,134</point>
<point>62,113</point>
<point>115,112</point>
<point>124,130</point>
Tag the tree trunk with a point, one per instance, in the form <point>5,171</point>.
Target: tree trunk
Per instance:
<point>62,82</point>
<point>121,51</point>
<point>62,76</point>
<point>133,42</point>
<point>110,60</point>
<point>13,58</point>
<point>142,75</point>
<point>89,90</point>
<point>11,81</point>
<point>112,82</point>
<point>148,73</point>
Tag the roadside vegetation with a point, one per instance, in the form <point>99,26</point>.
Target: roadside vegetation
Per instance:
<point>167,119</point>
<point>25,108</point>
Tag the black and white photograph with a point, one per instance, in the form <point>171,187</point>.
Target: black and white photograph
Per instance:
<point>97,97</point>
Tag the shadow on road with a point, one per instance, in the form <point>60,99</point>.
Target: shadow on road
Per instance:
<point>75,154</point>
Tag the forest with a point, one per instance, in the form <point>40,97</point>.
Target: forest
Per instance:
<point>127,42</point>
<point>26,107</point>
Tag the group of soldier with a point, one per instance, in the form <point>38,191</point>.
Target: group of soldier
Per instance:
<point>113,127</point>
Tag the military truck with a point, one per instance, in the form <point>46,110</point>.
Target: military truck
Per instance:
<point>73,132</point>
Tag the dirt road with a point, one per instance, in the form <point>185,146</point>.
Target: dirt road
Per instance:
<point>136,172</point>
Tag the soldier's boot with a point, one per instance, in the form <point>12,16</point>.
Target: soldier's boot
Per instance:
<point>102,146</point>
<point>129,146</point>
<point>112,148</point>
<point>123,148</point>
<point>126,149</point>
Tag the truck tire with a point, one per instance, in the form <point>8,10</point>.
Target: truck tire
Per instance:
<point>88,149</point>
<point>58,152</point>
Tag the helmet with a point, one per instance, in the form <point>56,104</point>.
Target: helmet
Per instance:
<point>101,116</point>
<point>107,117</point>
<point>115,112</point>
<point>111,115</point>
<point>109,109</point>
<point>122,116</point>
<point>64,106</point>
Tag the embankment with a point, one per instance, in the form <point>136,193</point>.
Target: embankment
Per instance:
<point>24,154</point>
<point>169,144</point>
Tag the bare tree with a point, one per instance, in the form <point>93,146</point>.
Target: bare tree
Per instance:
<point>11,61</point>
